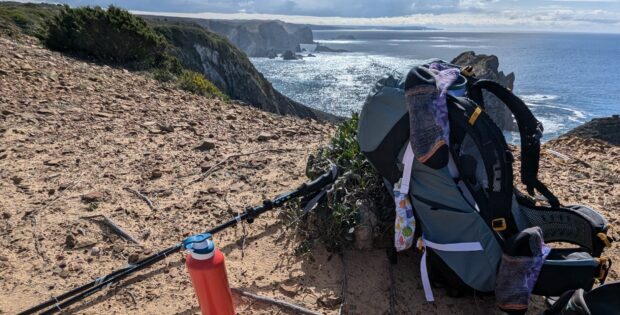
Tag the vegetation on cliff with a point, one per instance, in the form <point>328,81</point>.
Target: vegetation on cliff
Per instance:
<point>360,186</point>
<point>165,49</point>
<point>28,18</point>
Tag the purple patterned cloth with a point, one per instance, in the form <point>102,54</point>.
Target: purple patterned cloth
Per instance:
<point>426,92</point>
<point>445,77</point>
<point>518,274</point>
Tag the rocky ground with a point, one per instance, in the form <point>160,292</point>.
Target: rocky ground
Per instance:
<point>76,136</point>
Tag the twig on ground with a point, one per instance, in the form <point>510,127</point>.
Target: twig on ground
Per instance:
<point>33,216</point>
<point>296,308</point>
<point>113,226</point>
<point>213,168</point>
<point>133,298</point>
<point>141,196</point>
<point>344,285</point>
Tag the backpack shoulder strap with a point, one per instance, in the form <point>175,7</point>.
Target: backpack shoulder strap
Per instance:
<point>530,130</point>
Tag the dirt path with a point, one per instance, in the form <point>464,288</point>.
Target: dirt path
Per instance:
<point>74,136</point>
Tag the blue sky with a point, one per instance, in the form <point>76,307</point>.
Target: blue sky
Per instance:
<point>559,15</point>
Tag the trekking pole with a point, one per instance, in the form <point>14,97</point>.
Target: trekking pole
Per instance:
<point>69,298</point>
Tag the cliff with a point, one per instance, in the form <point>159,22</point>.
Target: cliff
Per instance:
<point>231,71</point>
<point>487,67</point>
<point>256,38</point>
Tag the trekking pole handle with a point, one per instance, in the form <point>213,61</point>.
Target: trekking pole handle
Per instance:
<point>319,183</point>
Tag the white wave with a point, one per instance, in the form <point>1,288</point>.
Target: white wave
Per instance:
<point>538,97</point>
<point>460,46</point>
<point>340,41</point>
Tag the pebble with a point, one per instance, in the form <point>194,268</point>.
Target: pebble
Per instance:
<point>156,174</point>
<point>95,251</point>
<point>93,196</point>
<point>205,146</point>
<point>263,136</point>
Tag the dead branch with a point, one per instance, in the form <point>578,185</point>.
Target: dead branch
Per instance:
<point>113,226</point>
<point>141,196</point>
<point>289,306</point>
<point>213,168</point>
<point>33,216</point>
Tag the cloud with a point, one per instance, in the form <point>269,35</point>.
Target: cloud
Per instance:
<point>564,15</point>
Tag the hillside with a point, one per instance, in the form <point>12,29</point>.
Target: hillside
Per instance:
<point>74,135</point>
<point>196,48</point>
<point>254,37</point>
<point>231,70</point>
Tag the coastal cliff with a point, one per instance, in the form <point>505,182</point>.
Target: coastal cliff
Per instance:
<point>231,70</point>
<point>256,38</point>
<point>487,67</point>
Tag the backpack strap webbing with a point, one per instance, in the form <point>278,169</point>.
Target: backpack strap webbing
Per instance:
<point>530,130</point>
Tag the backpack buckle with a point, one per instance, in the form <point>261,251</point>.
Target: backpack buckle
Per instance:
<point>605,239</point>
<point>499,225</point>
<point>604,266</point>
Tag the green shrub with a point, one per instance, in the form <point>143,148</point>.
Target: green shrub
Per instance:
<point>335,220</point>
<point>197,83</point>
<point>25,17</point>
<point>112,36</point>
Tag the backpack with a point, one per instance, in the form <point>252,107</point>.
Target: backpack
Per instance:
<point>469,225</point>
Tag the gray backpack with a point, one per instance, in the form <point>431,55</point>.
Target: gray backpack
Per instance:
<point>471,224</point>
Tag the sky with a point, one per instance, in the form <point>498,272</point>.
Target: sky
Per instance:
<point>484,15</point>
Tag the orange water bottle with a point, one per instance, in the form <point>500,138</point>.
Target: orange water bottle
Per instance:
<point>208,272</point>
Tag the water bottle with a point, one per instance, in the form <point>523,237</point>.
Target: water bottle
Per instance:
<point>205,264</point>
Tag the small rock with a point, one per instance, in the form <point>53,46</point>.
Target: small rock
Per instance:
<point>95,251</point>
<point>17,180</point>
<point>6,215</point>
<point>231,117</point>
<point>18,56</point>
<point>156,174</point>
<point>213,190</point>
<point>93,196</point>
<point>70,241</point>
<point>166,128</point>
<point>329,300</point>
<point>133,258</point>
<point>4,258</point>
<point>205,146</point>
<point>26,67</point>
<point>264,136</point>
<point>118,248</point>
<point>288,289</point>
<point>51,191</point>
<point>205,166</point>
<point>52,162</point>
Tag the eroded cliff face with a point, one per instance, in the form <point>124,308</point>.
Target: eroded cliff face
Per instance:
<point>231,71</point>
<point>255,38</point>
<point>487,67</point>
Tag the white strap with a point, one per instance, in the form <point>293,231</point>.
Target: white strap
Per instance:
<point>454,247</point>
<point>408,163</point>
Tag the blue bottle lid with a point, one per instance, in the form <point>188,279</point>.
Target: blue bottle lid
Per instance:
<point>199,244</point>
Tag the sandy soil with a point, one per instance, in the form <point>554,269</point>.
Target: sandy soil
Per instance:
<point>74,135</point>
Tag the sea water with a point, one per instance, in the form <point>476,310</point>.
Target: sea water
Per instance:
<point>566,79</point>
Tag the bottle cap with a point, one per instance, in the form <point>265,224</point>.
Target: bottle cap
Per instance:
<point>200,244</point>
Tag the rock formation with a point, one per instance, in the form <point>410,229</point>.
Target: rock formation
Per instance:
<point>231,71</point>
<point>605,129</point>
<point>487,67</point>
<point>255,38</point>
<point>289,55</point>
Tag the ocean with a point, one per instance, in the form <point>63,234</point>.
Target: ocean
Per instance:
<point>566,79</point>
